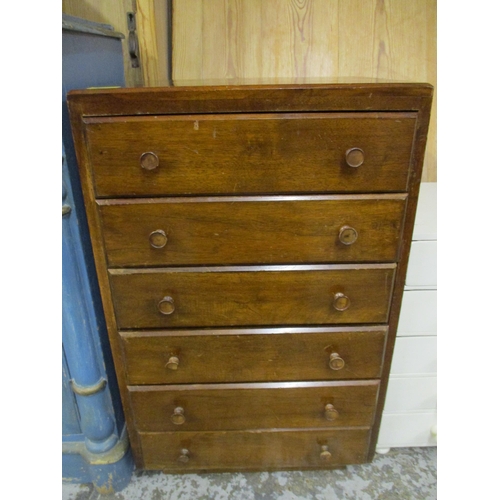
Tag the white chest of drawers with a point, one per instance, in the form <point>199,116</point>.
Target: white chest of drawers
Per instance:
<point>410,414</point>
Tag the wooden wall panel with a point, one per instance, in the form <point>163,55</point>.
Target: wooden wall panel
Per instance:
<point>152,31</point>
<point>188,21</point>
<point>254,38</point>
<point>388,39</point>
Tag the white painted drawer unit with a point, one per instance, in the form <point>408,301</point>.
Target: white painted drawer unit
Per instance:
<point>410,413</point>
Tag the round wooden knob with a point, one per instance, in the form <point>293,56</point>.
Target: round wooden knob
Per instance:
<point>178,417</point>
<point>166,306</point>
<point>325,455</point>
<point>184,456</point>
<point>348,235</point>
<point>158,239</point>
<point>331,413</point>
<point>355,157</point>
<point>341,302</point>
<point>173,363</point>
<point>149,161</point>
<point>336,362</point>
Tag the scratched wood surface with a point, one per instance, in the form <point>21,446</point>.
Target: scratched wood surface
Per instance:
<point>253,295</point>
<point>209,231</point>
<point>387,39</point>
<point>250,450</point>
<point>190,163</point>
<point>226,407</point>
<point>253,355</point>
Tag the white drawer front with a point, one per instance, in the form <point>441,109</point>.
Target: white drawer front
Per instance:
<point>418,313</point>
<point>414,355</point>
<point>422,267</point>
<point>407,429</point>
<point>411,394</point>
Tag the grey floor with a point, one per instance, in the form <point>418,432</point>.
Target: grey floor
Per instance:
<point>402,474</point>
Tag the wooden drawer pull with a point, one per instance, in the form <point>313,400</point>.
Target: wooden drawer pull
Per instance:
<point>184,456</point>
<point>158,239</point>
<point>331,413</point>
<point>348,235</point>
<point>149,161</point>
<point>325,455</point>
<point>355,157</point>
<point>341,302</point>
<point>336,362</point>
<point>173,363</point>
<point>166,306</point>
<point>178,417</point>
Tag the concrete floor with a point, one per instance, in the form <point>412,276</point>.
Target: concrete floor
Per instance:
<point>402,474</point>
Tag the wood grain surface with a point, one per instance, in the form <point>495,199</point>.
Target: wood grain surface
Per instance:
<point>243,355</point>
<point>227,96</point>
<point>253,450</point>
<point>272,295</point>
<point>153,38</point>
<point>241,154</point>
<point>244,230</point>
<point>254,406</point>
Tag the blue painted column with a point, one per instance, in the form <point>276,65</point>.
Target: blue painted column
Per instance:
<point>100,453</point>
<point>95,441</point>
<point>87,380</point>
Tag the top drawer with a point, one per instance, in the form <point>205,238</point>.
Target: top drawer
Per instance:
<point>250,153</point>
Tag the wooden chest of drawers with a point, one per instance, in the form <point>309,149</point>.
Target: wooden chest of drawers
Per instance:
<point>251,244</point>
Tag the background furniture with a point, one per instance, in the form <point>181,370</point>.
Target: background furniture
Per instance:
<point>410,414</point>
<point>95,444</point>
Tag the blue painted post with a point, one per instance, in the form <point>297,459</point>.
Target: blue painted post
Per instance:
<point>87,381</point>
<point>95,440</point>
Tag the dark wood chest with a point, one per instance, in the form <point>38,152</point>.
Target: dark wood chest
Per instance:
<point>251,244</point>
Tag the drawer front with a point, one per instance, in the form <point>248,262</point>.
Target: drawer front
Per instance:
<point>268,230</point>
<point>254,406</point>
<point>253,450</point>
<point>263,355</point>
<point>243,154</point>
<point>274,295</point>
